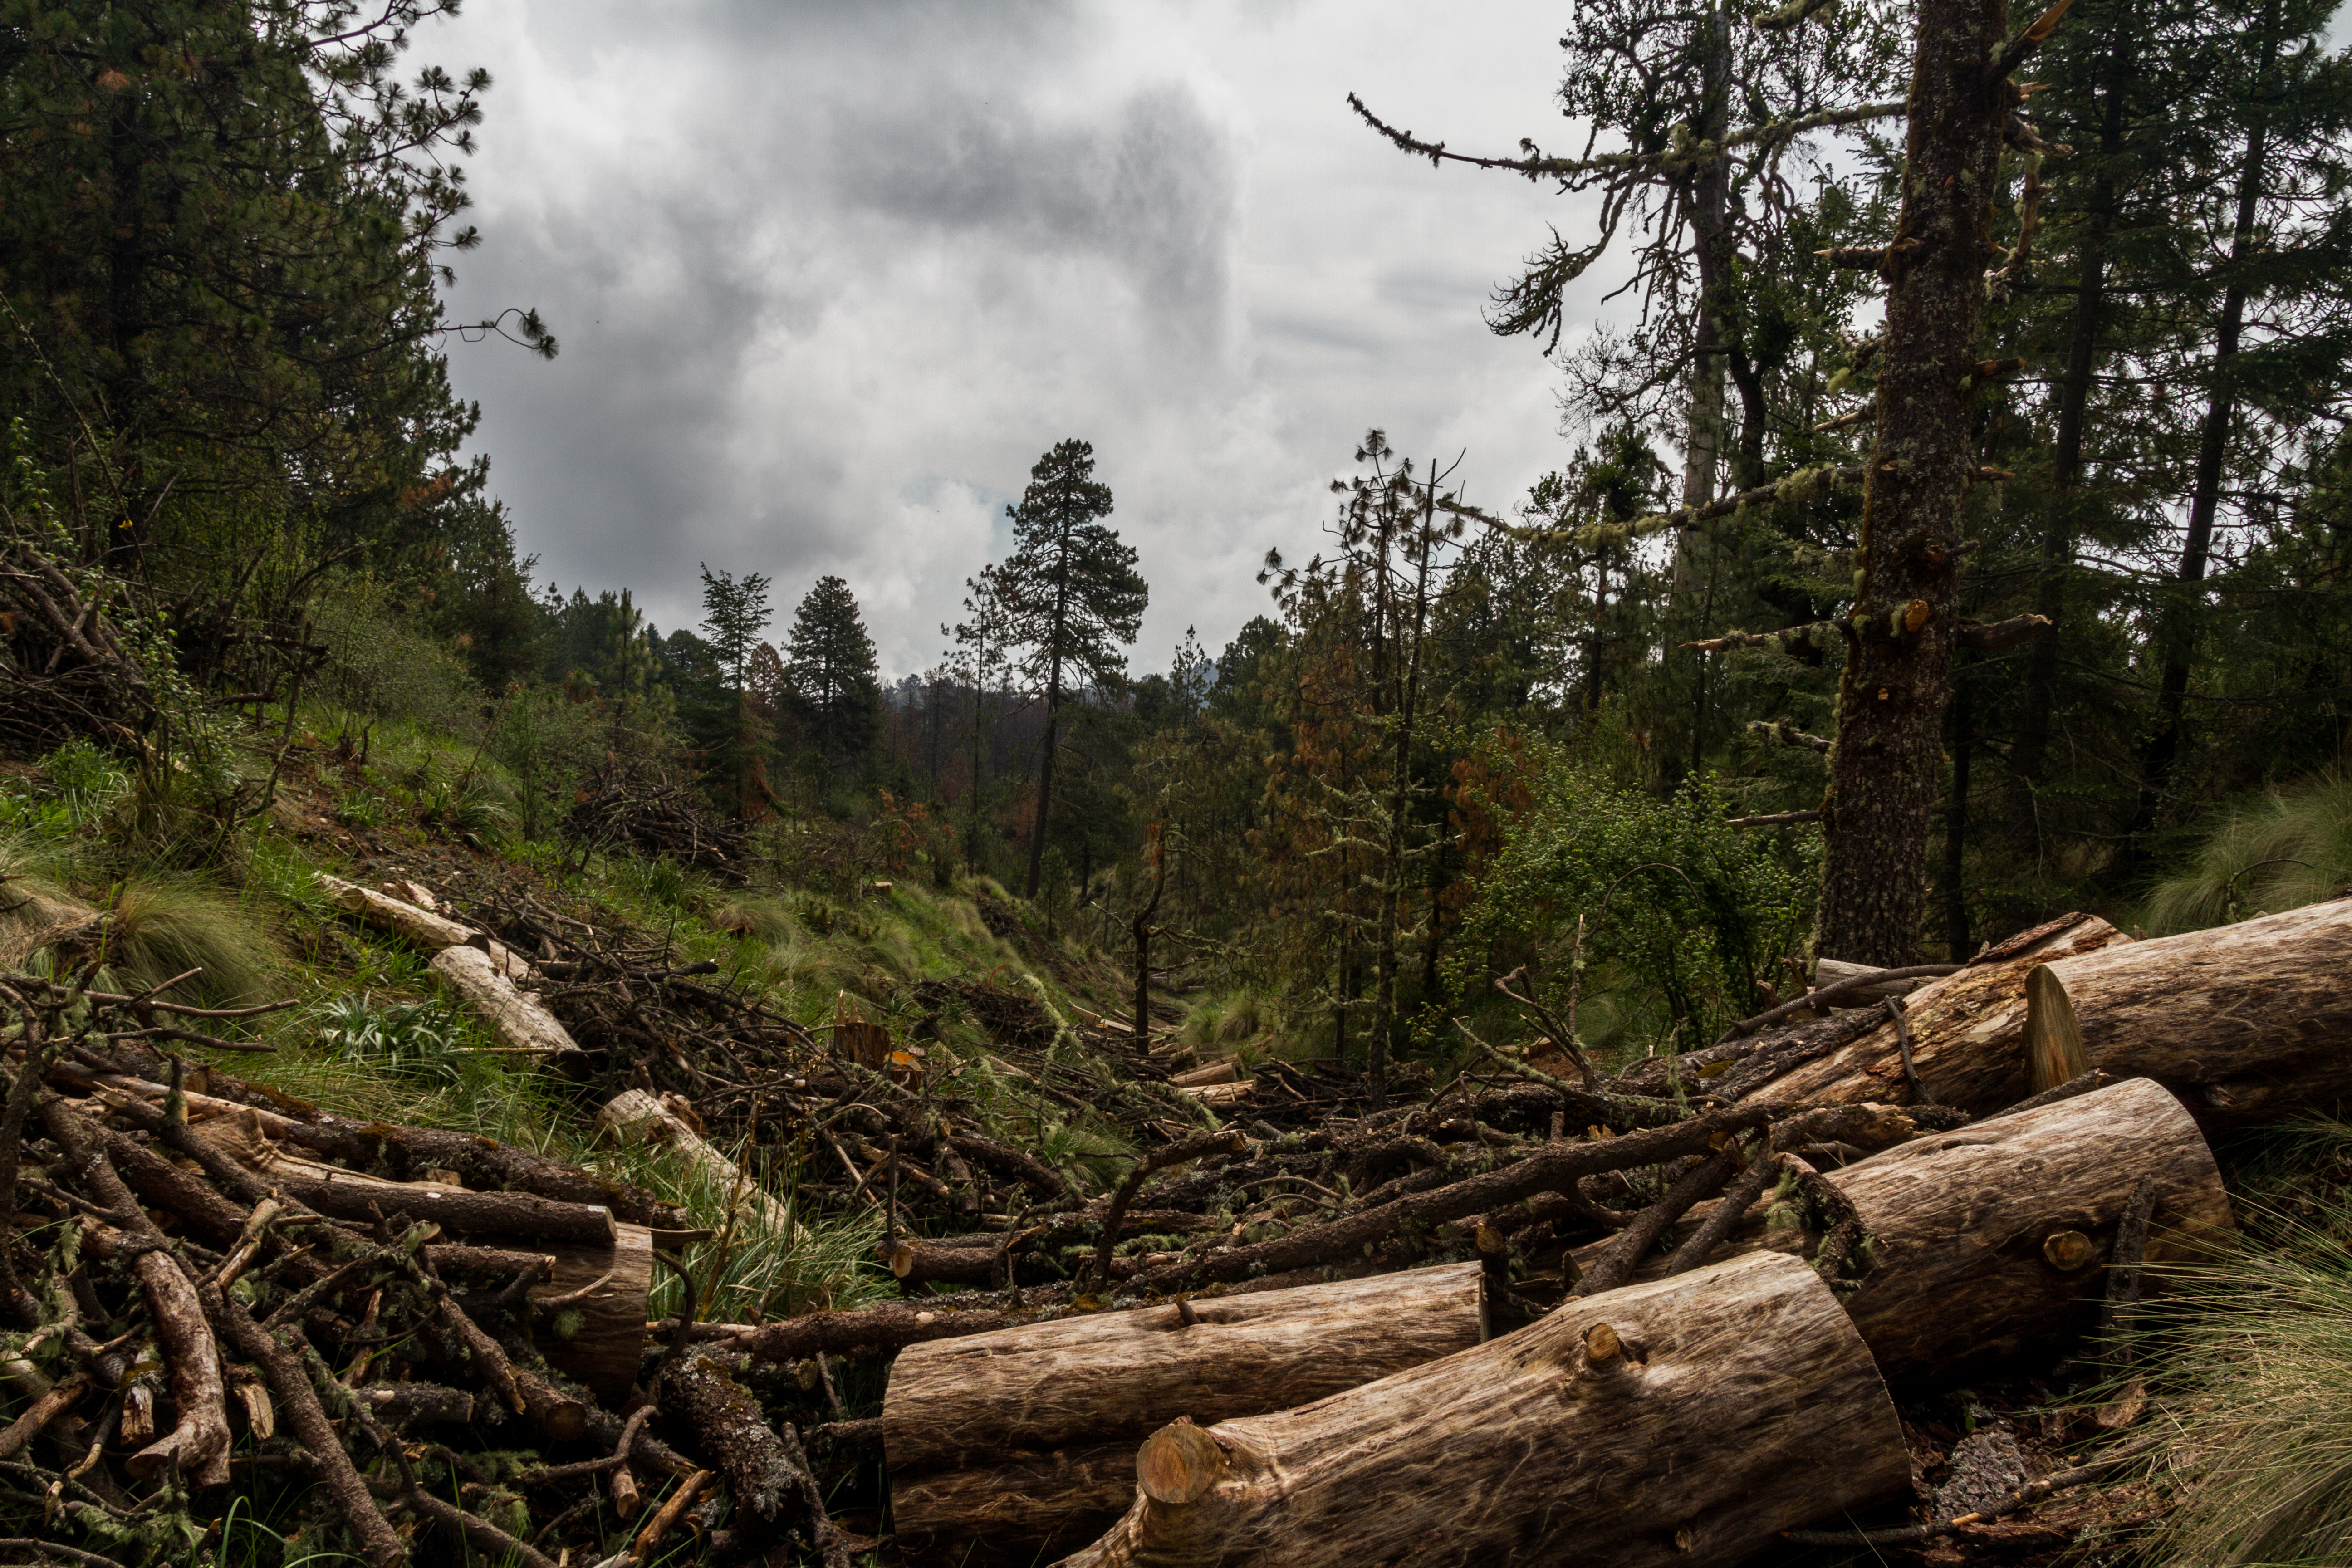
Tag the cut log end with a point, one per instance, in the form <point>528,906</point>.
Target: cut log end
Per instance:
<point>1179,1464</point>
<point>2054,1038</point>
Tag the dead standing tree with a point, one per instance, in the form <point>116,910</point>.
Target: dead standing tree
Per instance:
<point>1899,634</point>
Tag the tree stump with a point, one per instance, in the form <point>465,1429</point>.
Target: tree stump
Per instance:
<point>1681,1422</point>
<point>1028,1435</point>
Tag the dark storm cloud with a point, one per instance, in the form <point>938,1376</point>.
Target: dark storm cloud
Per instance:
<point>1151,186</point>
<point>828,277</point>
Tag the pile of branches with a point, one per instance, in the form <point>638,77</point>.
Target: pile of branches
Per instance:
<point>181,1317</point>
<point>644,809</point>
<point>65,667</point>
<point>648,1022</point>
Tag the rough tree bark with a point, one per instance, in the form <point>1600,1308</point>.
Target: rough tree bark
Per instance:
<point>1983,1240</point>
<point>1744,1383</point>
<point>1876,814</point>
<point>1029,1433</point>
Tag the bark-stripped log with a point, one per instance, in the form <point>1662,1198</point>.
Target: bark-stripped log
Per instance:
<point>420,926</point>
<point>2246,1023</point>
<point>1962,1266</point>
<point>1029,1433</point>
<point>517,1019</point>
<point>634,1116</point>
<point>1682,1422</point>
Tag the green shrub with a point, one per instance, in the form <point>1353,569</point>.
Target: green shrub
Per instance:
<point>1685,916</point>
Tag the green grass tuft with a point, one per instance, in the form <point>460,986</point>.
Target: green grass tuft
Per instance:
<point>2256,1379</point>
<point>2289,849</point>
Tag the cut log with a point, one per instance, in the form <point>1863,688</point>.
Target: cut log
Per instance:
<point>1959,1271</point>
<point>634,1116</point>
<point>1681,1422</point>
<point>2246,1023</point>
<point>599,1332</point>
<point>517,1019</point>
<point>1968,1035</point>
<point>1028,1435</point>
<point>1981,1240</point>
<point>1225,1070</point>
<point>424,927</point>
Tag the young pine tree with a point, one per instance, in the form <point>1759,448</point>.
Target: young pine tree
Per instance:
<point>829,661</point>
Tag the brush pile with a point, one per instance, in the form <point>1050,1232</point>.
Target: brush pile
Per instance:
<point>627,807</point>
<point>448,1341</point>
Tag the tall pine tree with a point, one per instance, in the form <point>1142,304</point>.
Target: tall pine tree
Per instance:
<point>1072,597</point>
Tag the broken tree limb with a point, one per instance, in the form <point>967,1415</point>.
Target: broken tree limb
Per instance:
<point>1743,1382</point>
<point>764,1468</point>
<point>516,1018</point>
<point>1550,1168</point>
<point>1029,1433</point>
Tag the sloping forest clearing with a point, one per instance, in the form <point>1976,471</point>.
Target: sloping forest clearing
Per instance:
<point>1782,1002</point>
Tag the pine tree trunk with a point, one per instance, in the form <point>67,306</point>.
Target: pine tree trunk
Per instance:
<point>2030,752</point>
<point>1958,941</point>
<point>1044,781</point>
<point>2178,628</point>
<point>1408,657</point>
<point>1879,809</point>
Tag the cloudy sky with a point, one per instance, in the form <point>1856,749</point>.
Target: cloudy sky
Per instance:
<point>830,276</point>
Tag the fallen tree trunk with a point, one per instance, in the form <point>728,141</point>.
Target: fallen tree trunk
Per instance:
<point>1991,1239</point>
<point>1029,1433</point>
<point>527,1027</point>
<point>2246,1023</point>
<point>1963,1265</point>
<point>1681,1422</point>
